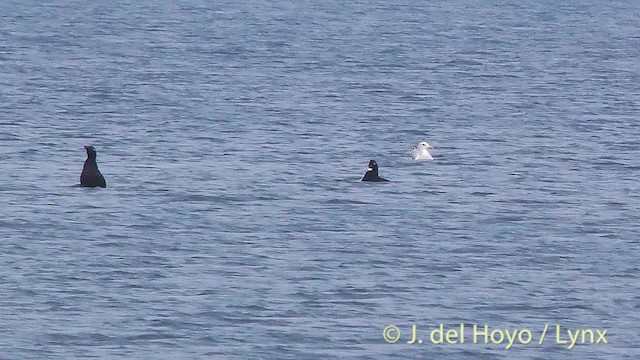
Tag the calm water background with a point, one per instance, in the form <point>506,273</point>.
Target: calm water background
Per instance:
<point>233,136</point>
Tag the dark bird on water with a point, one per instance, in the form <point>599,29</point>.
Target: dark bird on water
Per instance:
<point>372,172</point>
<point>91,176</point>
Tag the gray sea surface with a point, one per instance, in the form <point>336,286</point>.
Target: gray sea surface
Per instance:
<point>233,137</point>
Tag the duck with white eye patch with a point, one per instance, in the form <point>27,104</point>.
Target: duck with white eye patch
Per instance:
<point>372,173</point>
<point>422,151</point>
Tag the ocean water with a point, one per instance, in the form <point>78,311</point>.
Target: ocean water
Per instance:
<point>233,136</point>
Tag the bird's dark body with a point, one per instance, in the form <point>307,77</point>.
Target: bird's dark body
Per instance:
<point>91,176</point>
<point>372,173</point>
